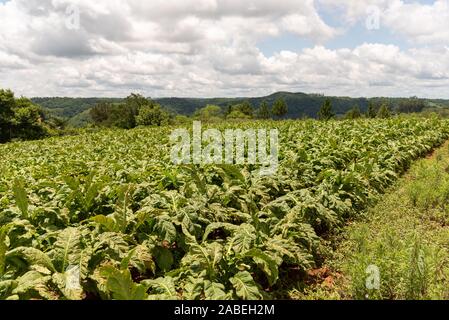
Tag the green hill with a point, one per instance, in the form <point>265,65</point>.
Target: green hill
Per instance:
<point>70,107</point>
<point>299,104</point>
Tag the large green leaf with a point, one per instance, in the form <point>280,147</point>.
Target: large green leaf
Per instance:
<point>166,230</point>
<point>141,258</point>
<point>107,222</point>
<point>164,258</point>
<point>266,263</point>
<point>162,289</point>
<point>244,238</point>
<point>34,285</point>
<point>215,291</point>
<point>29,257</point>
<point>204,257</point>
<point>6,288</point>
<point>3,247</point>
<point>229,227</point>
<point>21,197</point>
<point>121,286</point>
<point>67,249</point>
<point>112,245</point>
<point>245,287</point>
<point>193,289</point>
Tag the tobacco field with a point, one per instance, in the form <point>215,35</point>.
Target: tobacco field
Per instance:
<point>106,215</point>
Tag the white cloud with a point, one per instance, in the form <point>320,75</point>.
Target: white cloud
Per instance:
<point>209,48</point>
<point>420,23</point>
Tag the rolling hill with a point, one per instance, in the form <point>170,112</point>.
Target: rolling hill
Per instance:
<point>299,104</point>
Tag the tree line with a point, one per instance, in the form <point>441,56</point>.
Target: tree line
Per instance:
<point>243,111</point>
<point>21,119</point>
<point>140,111</point>
<point>376,109</point>
<point>137,110</point>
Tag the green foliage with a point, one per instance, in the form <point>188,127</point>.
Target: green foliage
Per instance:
<point>21,197</point>
<point>134,111</point>
<point>301,105</point>
<point>412,105</point>
<point>20,118</point>
<point>404,235</point>
<point>236,115</point>
<point>384,112</point>
<point>326,112</point>
<point>106,215</point>
<point>67,249</point>
<point>121,286</point>
<point>264,111</point>
<point>245,287</point>
<point>280,108</point>
<point>3,248</point>
<point>209,113</point>
<point>7,104</point>
<point>354,113</point>
<point>100,112</point>
<point>246,108</point>
<point>152,116</point>
<point>372,110</point>
<point>240,111</point>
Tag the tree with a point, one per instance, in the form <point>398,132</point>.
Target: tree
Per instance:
<point>264,111</point>
<point>124,115</point>
<point>228,110</point>
<point>411,105</point>
<point>209,113</point>
<point>236,111</point>
<point>372,112</point>
<point>280,108</point>
<point>181,120</point>
<point>7,103</point>
<point>326,112</point>
<point>27,122</point>
<point>20,118</point>
<point>101,112</point>
<point>246,108</point>
<point>152,115</point>
<point>384,112</point>
<point>238,115</point>
<point>136,101</point>
<point>354,113</point>
<point>136,110</point>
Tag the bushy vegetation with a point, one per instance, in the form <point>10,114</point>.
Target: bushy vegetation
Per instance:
<point>326,112</point>
<point>21,119</point>
<point>109,210</point>
<point>134,111</point>
<point>242,111</point>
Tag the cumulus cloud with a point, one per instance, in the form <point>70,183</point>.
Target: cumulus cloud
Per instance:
<point>421,23</point>
<point>210,48</point>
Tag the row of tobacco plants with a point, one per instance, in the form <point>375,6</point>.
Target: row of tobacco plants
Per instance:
<point>106,215</point>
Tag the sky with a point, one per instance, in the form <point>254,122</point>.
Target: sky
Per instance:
<point>224,48</point>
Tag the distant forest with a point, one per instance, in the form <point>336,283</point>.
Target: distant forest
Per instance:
<point>300,105</point>
<point>28,119</point>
